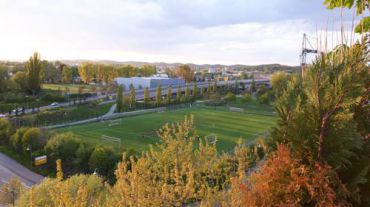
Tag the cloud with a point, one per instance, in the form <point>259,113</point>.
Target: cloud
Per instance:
<point>200,31</point>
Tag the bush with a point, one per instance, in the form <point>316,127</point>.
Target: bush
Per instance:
<point>246,98</point>
<point>214,99</point>
<point>32,138</point>
<point>16,139</point>
<point>4,130</point>
<point>263,99</point>
<point>103,160</point>
<point>230,97</point>
<point>63,146</point>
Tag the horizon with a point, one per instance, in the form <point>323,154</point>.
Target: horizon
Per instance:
<point>162,31</point>
<point>144,62</point>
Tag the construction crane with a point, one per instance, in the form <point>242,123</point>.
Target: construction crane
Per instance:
<point>306,48</point>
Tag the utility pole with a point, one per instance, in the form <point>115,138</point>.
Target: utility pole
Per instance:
<point>305,51</point>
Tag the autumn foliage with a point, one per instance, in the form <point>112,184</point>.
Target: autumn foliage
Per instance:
<point>285,181</point>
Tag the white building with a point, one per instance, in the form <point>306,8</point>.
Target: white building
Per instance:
<point>150,82</point>
<point>212,70</point>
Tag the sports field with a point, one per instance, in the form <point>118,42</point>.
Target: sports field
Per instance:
<point>139,131</point>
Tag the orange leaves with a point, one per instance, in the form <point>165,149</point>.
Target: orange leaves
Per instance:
<point>284,180</point>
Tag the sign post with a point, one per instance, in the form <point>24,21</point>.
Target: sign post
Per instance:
<point>40,160</point>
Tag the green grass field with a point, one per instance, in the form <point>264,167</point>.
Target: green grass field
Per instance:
<point>139,131</point>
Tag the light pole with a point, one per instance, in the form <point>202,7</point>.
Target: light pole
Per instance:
<point>96,171</point>
<point>29,149</point>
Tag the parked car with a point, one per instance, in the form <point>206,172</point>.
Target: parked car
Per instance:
<point>54,104</point>
<point>17,110</point>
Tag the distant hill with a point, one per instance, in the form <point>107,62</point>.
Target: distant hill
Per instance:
<point>197,67</point>
<point>262,67</point>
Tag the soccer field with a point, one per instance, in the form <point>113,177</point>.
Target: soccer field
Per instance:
<point>139,131</point>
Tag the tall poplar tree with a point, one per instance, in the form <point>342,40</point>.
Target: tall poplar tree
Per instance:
<point>158,96</point>
<point>146,96</point>
<point>119,99</point>
<point>169,95</point>
<point>195,90</point>
<point>132,97</point>
<point>34,69</point>
<point>178,94</point>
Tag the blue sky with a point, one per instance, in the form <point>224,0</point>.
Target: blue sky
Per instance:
<point>198,31</point>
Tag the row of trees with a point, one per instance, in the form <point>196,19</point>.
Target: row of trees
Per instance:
<point>28,80</point>
<point>160,99</point>
<point>96,72</point>
<point>167,98</point>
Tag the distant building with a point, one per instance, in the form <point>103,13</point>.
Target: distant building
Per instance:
<point>212,70</point>
<point>150,82</point>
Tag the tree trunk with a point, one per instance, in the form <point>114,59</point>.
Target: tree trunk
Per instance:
<point>323,131</point>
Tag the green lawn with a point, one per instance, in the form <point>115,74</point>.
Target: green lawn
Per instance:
<point>139,131</point>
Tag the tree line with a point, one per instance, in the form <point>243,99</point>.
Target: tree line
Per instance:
<point>89,71</point>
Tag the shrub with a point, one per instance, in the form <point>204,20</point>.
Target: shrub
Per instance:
<point>4,130</point>
<point>16,139</point>
<point>263,99</point>
<point>103,160</point>
<point>246,98</point>
<point>230,97</point>
<point>32,138</point>
<point>64,147</point>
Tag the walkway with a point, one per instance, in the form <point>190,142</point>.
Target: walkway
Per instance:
<point>10,168</point>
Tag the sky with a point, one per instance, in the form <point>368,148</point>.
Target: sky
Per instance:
<point>188,31</point>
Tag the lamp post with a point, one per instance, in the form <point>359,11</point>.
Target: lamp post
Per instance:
<point>96,171</point>
<point>29,149</point>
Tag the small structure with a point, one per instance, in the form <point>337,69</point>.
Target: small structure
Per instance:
<point>150,82</point>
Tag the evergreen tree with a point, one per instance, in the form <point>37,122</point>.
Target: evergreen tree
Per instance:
<point>119,99</point>
<point>187,93</point>
<point>214,88</point>
<point>146,96</point>
<point>316,115</point>
<point>158,96</point>
<point>132,97</point>
<point>178,94</point>
<point>236,87</point>
<point>169,95</point>
<point>253,87</point>
<point>195,90</point>
<point>202,91</point>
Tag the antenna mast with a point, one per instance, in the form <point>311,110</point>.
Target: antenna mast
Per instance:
<point>305,51</point>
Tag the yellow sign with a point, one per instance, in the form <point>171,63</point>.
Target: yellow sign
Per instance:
<point>41,160</point>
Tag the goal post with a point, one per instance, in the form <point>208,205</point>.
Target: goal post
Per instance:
<point>113,141</point>
<point>235,109</point>
<point>212,139</point>
<point>114,122</point>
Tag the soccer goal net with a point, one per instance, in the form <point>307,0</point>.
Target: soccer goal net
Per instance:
<point>235,109</point>
<point>212,139</point>
<point>114,122</point>
<point>114,142</point>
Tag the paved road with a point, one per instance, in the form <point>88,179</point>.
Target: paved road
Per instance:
<point>10,168</point>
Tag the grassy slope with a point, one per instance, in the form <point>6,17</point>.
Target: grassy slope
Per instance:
<point>139,131</point>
